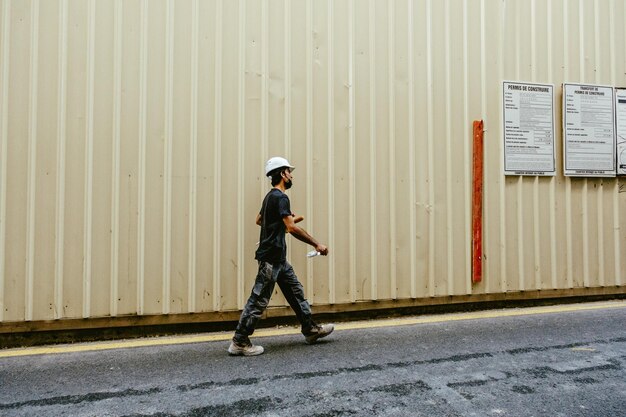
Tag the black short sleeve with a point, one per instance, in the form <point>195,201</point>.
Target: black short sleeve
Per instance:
<point>272,245</point>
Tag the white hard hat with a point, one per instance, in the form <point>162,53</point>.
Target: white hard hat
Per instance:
<point>277,162</point>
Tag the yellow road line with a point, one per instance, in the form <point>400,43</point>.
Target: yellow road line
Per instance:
<point>489,314</point>
<point>225,336</point>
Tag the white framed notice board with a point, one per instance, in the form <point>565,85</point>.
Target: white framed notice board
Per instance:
<point>528,117</point>
<point>589,144</point>
<point>620,126</point>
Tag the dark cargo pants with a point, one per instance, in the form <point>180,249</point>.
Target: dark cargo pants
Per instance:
<point>266,279</point>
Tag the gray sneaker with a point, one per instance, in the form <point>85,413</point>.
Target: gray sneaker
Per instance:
<point>237,349</point>
<point>318,332</point>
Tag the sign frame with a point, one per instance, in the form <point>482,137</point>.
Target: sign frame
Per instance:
<point>620,127</point>
<point>519,144</point>
<point>576,134</point>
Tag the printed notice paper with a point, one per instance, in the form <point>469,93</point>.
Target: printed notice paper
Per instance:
<point>620,114</point>
<point>528,112</point>
<point>589,130</point>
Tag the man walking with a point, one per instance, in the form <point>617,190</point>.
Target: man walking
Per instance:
<point>275,220</point>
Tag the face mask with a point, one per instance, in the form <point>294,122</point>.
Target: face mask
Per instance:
<point>288,182</point>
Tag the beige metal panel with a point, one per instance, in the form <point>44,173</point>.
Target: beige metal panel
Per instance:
<point>154,170</point>
<point>206,124</point>
<point>16,116</point>
<point>383,132</point>
<point>23,135</point>
<point>442,237</point>
<point>603,267</point>
<point>618,57</point>
<point>523,193</point>
<point>44,169</point>
<point>127,122</point>
<point>321,135</point>
<point>141,160</point>
<point>61,133</point>
<point>183,162</point>
<point>75,303</point>
<point>276,104</point>
<point>361,212</point>
<point>216,152</point>
<point>296,127</point>
<point>229,155</point>
<point>168,150</point>
<point>133,135</point>
<point>4,122</point>
<point>101,57</point>
<point>402,159</point>
<point>33,108</point>
<point>422,78</point>
<point>242,225</point>
<point>392,141</point>
<point>255,142</point>
<point>557,56</point>
<point>543,270</point>
<point>591,211</point>
<point>495,232</point>
<point>573,186</point>
<point>340,156</point>
<point>473,100</point>
<point>459,154</point>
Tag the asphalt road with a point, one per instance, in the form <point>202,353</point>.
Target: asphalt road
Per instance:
<point>559,361</point>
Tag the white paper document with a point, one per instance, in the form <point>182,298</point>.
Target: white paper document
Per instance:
<point>528,112</point>
<point>589,130</point>
<point>620,114</point>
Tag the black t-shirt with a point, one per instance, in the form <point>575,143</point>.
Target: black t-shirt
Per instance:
<point>272,245</point>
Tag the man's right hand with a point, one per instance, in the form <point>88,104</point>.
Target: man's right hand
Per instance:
<point>322,249</point>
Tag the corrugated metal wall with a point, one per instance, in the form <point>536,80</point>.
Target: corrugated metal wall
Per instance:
<point>133,137</point>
